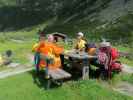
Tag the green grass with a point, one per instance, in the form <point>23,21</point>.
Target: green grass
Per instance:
<point>22,87</point>
<point>122,77</point>
<point>123,48</point>
<point>127,77</point>
<point>28,36</point>
<point>20,50</point>
<point>126,49</point>
<point>3,68</point>
<point>126,61</point>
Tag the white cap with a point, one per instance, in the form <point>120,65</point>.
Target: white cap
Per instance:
<point>105,44</point>
<point>80,34</point>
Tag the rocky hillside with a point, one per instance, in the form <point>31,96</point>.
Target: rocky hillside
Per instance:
<point>102,16</point>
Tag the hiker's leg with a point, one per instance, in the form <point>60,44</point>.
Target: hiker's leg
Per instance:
<point>48,62</point>
<point>102,73</point>
<point>45,58</point>
<point>99,69</point>
<point>47,69</point>
<point>62,60</point>
<point>37,61</point>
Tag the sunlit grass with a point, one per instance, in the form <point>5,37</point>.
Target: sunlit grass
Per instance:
<point>22,87</point>
<point>127,77</point>
<point>20,50</point>
<point>126,61</point>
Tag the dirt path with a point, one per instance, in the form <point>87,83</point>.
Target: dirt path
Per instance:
<point>121,87</point>
<point>15,71</point>
<point>19,69</point>
<point>127,69</point>
<point>124,88</point>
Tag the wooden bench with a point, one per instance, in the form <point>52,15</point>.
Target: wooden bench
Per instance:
<point>59,74</point>
<point>57,77</point>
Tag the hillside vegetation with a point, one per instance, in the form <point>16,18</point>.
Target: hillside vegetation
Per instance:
<point>112,19</point>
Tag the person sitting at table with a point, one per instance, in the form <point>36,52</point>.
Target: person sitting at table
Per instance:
<point>91,49</point>
<point>99,68</point>
<point>78,48</point>
<point>81,42</point>
<point>106,61</point>
<point>49,55</point>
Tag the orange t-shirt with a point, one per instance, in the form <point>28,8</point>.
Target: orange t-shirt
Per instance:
<point>52,50</point>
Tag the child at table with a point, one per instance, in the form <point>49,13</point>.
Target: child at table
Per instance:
<point>80,42</point>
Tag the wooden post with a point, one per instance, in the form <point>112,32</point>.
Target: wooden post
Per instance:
<point>85,70</point>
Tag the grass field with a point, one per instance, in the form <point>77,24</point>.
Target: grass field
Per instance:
<point>20,42</point>
<point>22,87</point>
<point>20,50</point>
<point>127,77</point>
<point>127,50</point>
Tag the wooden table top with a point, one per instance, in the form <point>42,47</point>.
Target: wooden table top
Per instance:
<point>79,55</point>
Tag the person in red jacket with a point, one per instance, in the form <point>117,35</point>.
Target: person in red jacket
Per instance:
<point>108,56</point>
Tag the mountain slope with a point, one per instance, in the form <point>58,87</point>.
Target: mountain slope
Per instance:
<point>70,16</point>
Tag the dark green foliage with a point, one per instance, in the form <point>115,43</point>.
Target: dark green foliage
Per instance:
<point>19,14</point>
<point>120,32</point>
<point>70,16</point>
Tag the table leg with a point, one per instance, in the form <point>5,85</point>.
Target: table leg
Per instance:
<point>85,70</point>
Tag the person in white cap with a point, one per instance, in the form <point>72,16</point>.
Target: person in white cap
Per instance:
<point>80,45</point>
<point>105,45</point>
<point>80,34</point>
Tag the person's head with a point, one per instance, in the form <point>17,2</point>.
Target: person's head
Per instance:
<point>105,46</point>
<point>50,38</point>
<point>80,35</point>
<point>8,53</point>
<point>42,38</point>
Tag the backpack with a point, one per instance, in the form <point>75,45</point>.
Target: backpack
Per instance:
<point>114,53</point>
<point>116,66</point>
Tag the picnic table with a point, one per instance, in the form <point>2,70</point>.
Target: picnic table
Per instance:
<point>76,56</point>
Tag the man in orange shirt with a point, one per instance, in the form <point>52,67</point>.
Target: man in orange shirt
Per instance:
<point>49,54</point>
